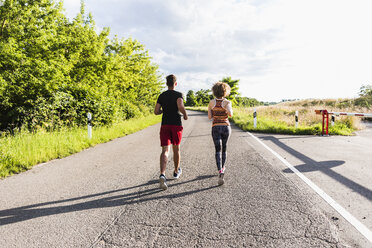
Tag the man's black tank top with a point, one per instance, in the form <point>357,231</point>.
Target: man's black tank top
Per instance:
<point>168,102</point>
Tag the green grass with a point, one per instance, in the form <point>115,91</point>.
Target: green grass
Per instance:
<point>266,125</point>
<point>267,122</point>
<point>23,150</point>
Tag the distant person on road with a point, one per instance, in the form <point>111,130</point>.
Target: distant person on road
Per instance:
<point>219,109</point>
<point>170,104</point>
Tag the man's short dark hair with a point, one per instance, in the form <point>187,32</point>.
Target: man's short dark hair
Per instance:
<point>171,80</point>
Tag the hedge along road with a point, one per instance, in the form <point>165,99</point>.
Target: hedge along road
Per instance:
<point>108,196</point>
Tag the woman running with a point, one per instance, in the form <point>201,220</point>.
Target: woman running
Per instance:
<point>219,109</point>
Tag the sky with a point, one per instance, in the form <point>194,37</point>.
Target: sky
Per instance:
<point>278,49</point>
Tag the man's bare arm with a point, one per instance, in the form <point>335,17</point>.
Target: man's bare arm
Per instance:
<point>158,110</point>
<point>181,108</point>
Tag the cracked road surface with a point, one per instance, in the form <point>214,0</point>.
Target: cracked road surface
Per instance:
<point>108,196</point>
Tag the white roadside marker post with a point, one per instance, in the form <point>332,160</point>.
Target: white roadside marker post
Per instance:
<point>89,115</point>
<point>255,118</point>
<point>296,118</point>
<point>333,120</point>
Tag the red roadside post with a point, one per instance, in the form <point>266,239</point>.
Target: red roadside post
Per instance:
<point>325,120</point>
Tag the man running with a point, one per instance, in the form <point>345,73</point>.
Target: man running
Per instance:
<point>170,103</point>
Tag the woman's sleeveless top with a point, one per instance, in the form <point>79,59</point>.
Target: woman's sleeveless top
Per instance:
<point>220,115</point>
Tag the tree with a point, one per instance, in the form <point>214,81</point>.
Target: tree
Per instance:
<point>234,89</point>
<point>203,97</point>
<point>52,71</point>
<point>247,102</point>
<point>233,85</point>
<point>191,99</point>
<point>31,64</point>
<point>365,96</point>
<point>365,90</point>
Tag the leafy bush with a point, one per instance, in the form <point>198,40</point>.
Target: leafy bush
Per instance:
<point>53,71</point>
<point>364,101</point>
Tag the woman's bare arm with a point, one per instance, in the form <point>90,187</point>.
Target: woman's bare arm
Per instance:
<point>210,116</point>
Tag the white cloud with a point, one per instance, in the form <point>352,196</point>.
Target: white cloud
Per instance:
<point>327,51</point>
<point>72,7</point>
<point>277,48</point>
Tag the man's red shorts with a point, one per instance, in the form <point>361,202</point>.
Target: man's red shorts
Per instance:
<point>170,134</point>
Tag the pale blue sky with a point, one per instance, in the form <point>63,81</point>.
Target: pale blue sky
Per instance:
<point>279,49</point>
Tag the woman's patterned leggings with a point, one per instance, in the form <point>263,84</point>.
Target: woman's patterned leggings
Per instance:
<point>220,134</point>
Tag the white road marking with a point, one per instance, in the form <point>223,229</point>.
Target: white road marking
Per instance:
<point>350,218</point>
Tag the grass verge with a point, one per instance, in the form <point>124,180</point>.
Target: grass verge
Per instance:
<point>23,150</point>
<point>280,120</point>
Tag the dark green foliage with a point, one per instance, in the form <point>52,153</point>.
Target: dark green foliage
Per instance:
<point>191,99</point>
<point>53,71</point>
<point>365,90</point>
<point>200,98</point>
<point>247,102</point>
<point>203,97</point>
<point>365,99</point>
<point>234,89</point>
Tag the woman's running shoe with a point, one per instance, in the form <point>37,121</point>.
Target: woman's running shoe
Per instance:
<point>220,178</point>
<point>178,174</point>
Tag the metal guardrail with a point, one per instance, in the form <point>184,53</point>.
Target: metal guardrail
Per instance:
<point>326,114</point>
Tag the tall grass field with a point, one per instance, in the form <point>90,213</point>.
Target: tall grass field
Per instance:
<point>280,118</point>
<point>21,151</point>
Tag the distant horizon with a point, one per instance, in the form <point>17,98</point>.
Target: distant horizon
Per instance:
<point>298,99</point>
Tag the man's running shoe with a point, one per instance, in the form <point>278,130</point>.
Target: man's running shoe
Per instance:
<point>220,178</point>
<point>163,182</point>
<point>178,174</point>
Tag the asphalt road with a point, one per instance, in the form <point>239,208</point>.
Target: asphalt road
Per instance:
<point>108,196</point>
<point>340,165</point>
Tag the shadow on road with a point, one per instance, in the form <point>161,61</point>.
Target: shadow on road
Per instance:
<point>197,114</point>
<point>325,167</point>
<point>152,193</point>
<point>198,136</point>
